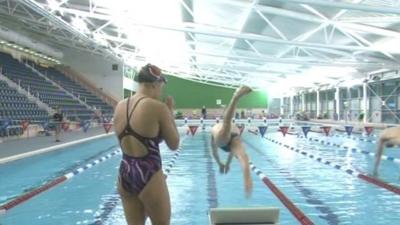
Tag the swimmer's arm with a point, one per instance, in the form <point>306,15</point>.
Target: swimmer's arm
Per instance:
<point>229,160</point>
<point>168,127</point>
<point>228,163</point>
<point>215,154</point>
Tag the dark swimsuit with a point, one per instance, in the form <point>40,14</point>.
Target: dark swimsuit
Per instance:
<point>227,147</point>
<point>136,172</point>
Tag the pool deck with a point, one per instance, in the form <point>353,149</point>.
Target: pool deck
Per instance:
<point>23,146</point>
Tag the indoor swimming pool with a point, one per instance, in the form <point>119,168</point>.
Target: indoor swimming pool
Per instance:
<point>324,192</point>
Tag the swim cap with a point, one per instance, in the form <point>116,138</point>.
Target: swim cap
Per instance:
<point>150,73</point>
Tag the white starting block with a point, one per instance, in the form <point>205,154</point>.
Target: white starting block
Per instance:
<point>244,216</point>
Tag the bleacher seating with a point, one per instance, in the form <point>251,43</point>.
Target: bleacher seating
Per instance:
<point>77,90</point>
<point>43,89</point>
<point>17,107</point>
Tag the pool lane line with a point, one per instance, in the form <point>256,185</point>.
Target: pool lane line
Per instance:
<point>347,170</point>
<point>9,205</point>
<point>369,179</point>
<point>51,148</point>
<point>211,181</point>
<point>60,173</point>
<point>357,150</point>
<point>114,199</point>
<point>172,162</point>
<point>326,213</point>
<point>296,212</point>
<point>357,138</point>
<point>364,139</point>
<point>371,135</point>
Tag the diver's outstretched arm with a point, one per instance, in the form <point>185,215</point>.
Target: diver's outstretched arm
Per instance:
<point>228,162</point>
<point>215,154</point>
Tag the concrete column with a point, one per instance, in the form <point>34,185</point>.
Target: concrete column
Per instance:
<point>365,101</point>
<point>291,105</point>
<point>318,104</point>
<point>337,99</point>
<point>282,105</point>
<point>303,102</point>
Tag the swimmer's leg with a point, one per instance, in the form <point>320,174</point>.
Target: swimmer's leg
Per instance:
<point>239,152</point>
<point>133,207</point>
<point>378,156</point>
<point>156,200</point>
<point>225,132</point>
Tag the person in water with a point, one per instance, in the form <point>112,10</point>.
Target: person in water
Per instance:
<point>141,122</point>
<point>389,137</point>
<point>226,136</point>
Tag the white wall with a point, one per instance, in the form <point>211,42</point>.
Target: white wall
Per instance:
<point>130,84</point>
<point>97,70</point>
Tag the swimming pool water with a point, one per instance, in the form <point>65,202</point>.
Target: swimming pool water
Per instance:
<point>22,175</point>
<point>325,195</point>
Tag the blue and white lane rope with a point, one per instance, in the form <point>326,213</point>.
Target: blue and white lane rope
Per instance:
<point>316,158</point>
<point>172,162</point>
<point>5,207</point>
<point>357,138</point>
<point>90,165</point>
<point>345,169</point>
<point>357,150</point>
<point>350,137</point>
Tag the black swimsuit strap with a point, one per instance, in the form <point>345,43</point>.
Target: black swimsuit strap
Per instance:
<point>129,115</point>
<point>128,129</point>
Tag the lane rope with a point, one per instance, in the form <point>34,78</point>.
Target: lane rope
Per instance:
<point>326,213</point>
<point>296,212</point>
<point>23,198</point>
<point>357,150</point>
<point>346,169</point>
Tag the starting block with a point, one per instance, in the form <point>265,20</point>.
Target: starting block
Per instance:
<point>244,216</point>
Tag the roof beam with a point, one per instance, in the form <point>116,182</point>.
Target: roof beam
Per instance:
<point>271,25</point>
<point>39,9</point>
<point>314,11</point>
<point>243,23</point>
<point>299,61</point>
<point>261,38</point>
<point>315,19</point>
<point>350,6</point>
<point>371,19</point>
<point>288,13</point>
<point>350,34</point>
<point>305,36</point>
<point>343,11</point>
<point>255,37</point>
<point>365,41</point>
<point>247,68</point>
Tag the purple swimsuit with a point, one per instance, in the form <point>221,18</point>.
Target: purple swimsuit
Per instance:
<point>136,172</point>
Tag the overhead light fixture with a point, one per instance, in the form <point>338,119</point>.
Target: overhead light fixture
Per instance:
<point>28,51</point>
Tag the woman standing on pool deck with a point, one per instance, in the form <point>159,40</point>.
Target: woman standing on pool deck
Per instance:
<point>141,122</point>
<point>227,137</point>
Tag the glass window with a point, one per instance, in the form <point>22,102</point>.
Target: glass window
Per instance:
<point>389,88</point>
